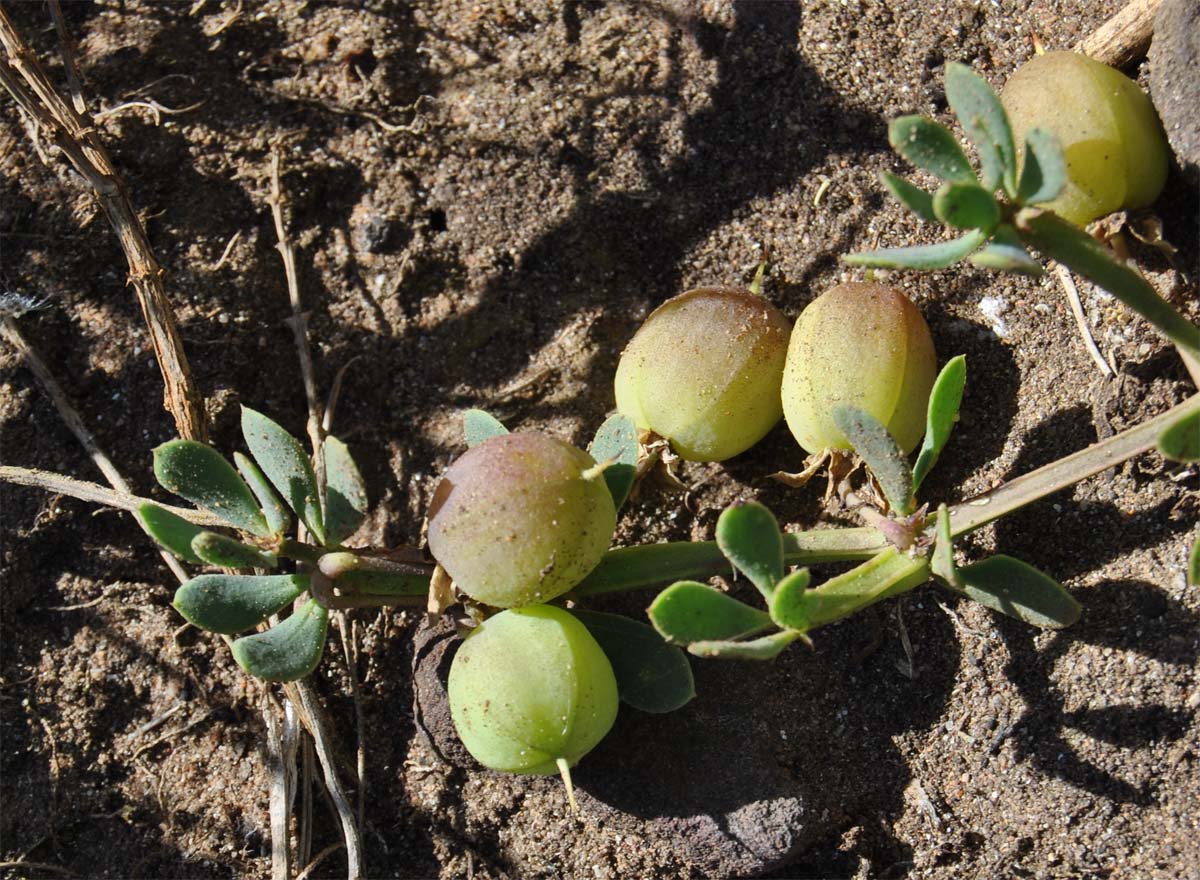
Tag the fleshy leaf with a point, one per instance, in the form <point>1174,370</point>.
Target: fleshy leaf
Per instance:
<point>966,206</point>
<point>224,552</point>
<point>1193,572</point>
<point>230,603</point>
<point>479,426</point>
<point>925,256</point>
<point>652,675</point>
<point>616,442</point>
<point>1019,590</point>
<point>689,611</point>
<point>982,116</point>
<point>912,197</point>
<point>749,536</point>
<point>764,648</point>
<point>1075,249</point>
<point>200,474</point>
<point>1181,441</point>
<point>944,402</point>
<point>887,574</point>
<point>289,650</point>
<point>1045,171</point>
<point>273,508</point>
<point>942,559</point>
<point>345,492</point>
<point>287,466</point>
<point>1005,253</point>
<point>791,588</point>
<point>173,532</point>
<point>872,441</point>
<point>930,146</point>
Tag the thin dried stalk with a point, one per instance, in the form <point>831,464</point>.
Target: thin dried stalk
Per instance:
<point>1125,37</point>
<point>281,857</point>
<point>73,133</point>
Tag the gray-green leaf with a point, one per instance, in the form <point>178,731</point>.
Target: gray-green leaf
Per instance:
<point>689,611</point>
<point>926,257</point>
<point>872,441</point>
<point>941,561</point>
<point>345,492</point>
<point>479,426</point>
<point>652,675</point>
<point>173,532</point>
<point>1045,171</point>
<point>200,474</point>
<point>287,466</point>
<point>930,146</point>
<point>912,197</point>
<point>224,552</point>
<point>616,442</point>
<point>289,650</point>
<point>749,537</point>
<point>1019,590</point>
<point>229,603</point>
<point>966,206</point>
<point>944,402</point>
<point>276,512</point>
<point>1005,253</point>
<point>982,116</point>
<point>764,648</point>
<point>1181,441</point>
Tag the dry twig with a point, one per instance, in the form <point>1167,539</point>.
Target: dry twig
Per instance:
<point>1068,283</point>
<point>1125,37</point>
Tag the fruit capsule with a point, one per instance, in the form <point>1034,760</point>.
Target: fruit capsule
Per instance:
<point>862,345</point>
<point>704,372</point>
<point>530,690</point>
<point>1114,144</point>
<point>520,518</point>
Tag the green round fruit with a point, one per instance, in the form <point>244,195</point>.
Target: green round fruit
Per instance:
<point>516,521</point>
<point>862,345</point>
<point>1116,151</point>
<point>530,687</point>
<point>704,372</point>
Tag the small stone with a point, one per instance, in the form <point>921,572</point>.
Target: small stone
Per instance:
<point>1175,79</point>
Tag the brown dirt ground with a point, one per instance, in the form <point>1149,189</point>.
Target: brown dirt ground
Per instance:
<point>577,164</point>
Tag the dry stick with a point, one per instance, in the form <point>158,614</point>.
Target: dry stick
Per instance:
<point>1125,37</point>
<point>73,133</point>
<point>281,868</point>
<point>360,751</point>
<point>1085,331</point>
<point>66,47</point>
<point>97,494</point>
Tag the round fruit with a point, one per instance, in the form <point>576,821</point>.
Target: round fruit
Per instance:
<point>516,520</point>
<point>704,372</point>
<point>862,345</point>
<point>529,688</point>
<point>1114,144</point>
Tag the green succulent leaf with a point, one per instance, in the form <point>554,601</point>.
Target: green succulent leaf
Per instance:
<point>931,147</point>
<point>926,257</point>
<point>230,603</point>
<point>1193,571</point>
<point>616,442</point>
<point>689,611</point>
<point>887,574</point>
<point>287,466</point>
<point>944,402</point>
<point>1019,590</point>
<point>173,532</point>
<point>1181,441</point>
<point>278,517</point>
<point>966,206</point>
<point>912,197</point>
<point>289,650</point>
<point>982,116</point>
<point>345,492</point>
<point>763,648</point>
<point>479,426</point>
<point>652,676</point>
<point>1045,172</point>
<point>941,560</point>
<point>749,536</point>
<point>1075,249</point>
<point>200,474</point>
<point>385,583</point>
<point>1005,253</point>
<point>872,441</point>
<point>788,594</point>
<point>224,552</point>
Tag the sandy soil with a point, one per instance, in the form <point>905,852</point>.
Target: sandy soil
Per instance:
<point>487,199</point>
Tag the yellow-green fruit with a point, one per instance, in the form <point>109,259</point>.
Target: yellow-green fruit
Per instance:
<point>704,372</point>
<point>515,521</point>
<point>862,345</point>
<point>1113,141</point>
<point>529,687</point>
